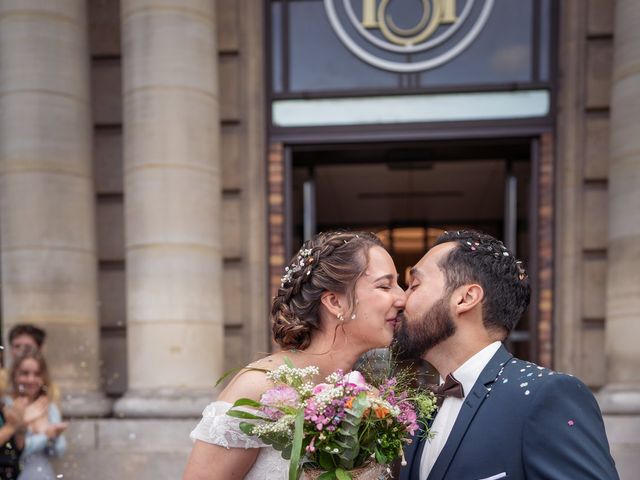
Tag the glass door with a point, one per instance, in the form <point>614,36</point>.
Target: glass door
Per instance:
<point>410,194</point>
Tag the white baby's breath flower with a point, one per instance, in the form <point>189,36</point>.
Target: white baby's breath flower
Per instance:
<point>335,377</point>
<point>325,397</point>
<point>306,389</point>
<point>284,424</point>
<point>292,376</point>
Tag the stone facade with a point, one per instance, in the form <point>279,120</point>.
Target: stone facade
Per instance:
<point>584,64</point>
<point>242,156</point>
<point>595,310</point>
<point>85,220</point>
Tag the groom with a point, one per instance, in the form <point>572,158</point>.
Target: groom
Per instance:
<point>501,417</point>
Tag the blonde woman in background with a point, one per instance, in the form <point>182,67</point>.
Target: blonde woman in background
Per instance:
<point>44,427</point>
<point>23,338</point>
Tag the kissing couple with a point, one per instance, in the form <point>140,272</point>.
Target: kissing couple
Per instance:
<point>501,417</point>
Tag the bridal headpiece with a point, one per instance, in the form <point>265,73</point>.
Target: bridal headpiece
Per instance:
<point>302,261</point>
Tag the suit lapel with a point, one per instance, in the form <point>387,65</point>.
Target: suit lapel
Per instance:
<point>470,407</point>
<point>417,460</point>
<point>413,455</point>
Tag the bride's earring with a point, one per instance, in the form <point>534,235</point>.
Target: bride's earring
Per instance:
<point>340,317</point>
<point>353,316</point>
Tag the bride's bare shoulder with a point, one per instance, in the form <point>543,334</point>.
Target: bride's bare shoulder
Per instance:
<point>251,381</point>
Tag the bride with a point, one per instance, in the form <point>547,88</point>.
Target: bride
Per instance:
<point>338,298</point>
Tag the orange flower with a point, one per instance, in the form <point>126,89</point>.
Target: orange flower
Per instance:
<point>349,402</point>
<point>381,412</point>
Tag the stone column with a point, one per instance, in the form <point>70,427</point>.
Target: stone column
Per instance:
<point>172,207</point>
<point>622,393</point>
<point>49,263</point>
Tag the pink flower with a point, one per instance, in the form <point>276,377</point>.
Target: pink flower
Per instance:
<point>408,416</point>
<point>282,395</point>
<point>355,379</point>
<point>311,447</point>
<point>276,398</point>
<point>321,387</point>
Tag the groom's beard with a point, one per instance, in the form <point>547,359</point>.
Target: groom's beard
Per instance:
<point>417,336</point>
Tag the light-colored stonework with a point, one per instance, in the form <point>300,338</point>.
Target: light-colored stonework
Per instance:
<point>46,190</point>
<point>622,393</point>
<point>167,197</point>
<point>111,449</point>
<point>172,207</point>
<point>596,272</point>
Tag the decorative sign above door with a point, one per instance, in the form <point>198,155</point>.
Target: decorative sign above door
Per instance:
<point>441,31</point>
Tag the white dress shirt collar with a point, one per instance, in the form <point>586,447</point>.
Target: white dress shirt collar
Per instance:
<point>467,374</point>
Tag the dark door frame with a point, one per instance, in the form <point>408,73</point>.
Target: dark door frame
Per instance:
<point>541,230</point>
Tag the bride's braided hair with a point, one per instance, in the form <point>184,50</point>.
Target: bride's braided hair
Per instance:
<point>331,261</point>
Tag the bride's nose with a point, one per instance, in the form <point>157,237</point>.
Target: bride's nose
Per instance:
<point>400,299</point>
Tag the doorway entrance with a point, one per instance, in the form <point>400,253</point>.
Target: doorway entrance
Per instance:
<point>410,193</point>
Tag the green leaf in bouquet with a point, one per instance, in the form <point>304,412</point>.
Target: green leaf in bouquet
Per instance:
<point>343,455</point>
<point>247,428</point>
<point>296,447</point>
<point>280,442</point>
<point>248,402</point>
<point>331,475</point>
<point>228,373</point>
<point>245,415</point>
<point>347,435</point>
<point>349,454</point>
<point>350,446</point>
<point>351,421</point>
<point>326,460</point>
<point>286,451</point>
<point>349,424</point>
<point>341,443</point>
<point>380,457</point>
<point>342,474</point>
<point>367,437</point>
<point>349,428</point>
<point>359,405</point>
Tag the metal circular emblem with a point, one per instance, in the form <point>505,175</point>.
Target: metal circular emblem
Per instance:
<point>407,41</point>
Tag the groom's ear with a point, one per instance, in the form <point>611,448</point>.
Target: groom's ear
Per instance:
<point>469,297</point>
<point>333,302</point>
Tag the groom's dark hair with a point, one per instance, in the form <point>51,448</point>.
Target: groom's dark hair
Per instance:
<point>482,259</point>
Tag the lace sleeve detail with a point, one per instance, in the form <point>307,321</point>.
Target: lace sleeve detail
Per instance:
<point>220,429</point>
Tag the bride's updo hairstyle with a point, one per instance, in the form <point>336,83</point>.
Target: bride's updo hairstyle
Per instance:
<point>329,262</point>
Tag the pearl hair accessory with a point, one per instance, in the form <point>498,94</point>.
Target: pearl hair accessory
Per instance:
<point>304,259</point>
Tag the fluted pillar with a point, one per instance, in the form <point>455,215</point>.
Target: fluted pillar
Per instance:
<point>47,227</point>
<point>622,393</point>
<point>172,207</point>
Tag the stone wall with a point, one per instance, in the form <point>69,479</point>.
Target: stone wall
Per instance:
<point>585,62</point>
<point>583,127</point>
<point>118,449</point>
<point>240,32</point>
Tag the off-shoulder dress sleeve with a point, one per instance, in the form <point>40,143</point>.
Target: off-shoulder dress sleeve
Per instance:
<point>218,428</point>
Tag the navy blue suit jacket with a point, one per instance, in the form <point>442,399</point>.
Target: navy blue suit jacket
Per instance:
<point>521,421</point>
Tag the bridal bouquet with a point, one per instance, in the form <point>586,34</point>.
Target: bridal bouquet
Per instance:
<point>337,426</point>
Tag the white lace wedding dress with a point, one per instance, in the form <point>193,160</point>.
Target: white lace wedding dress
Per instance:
<point>218,428</point>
